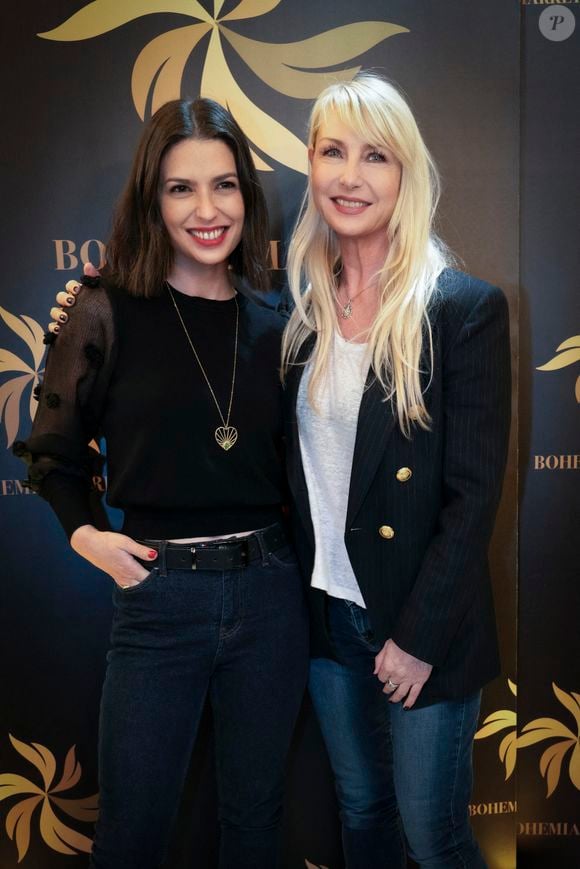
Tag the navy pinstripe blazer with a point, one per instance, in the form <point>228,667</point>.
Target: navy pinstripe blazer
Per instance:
<point>428,586</point>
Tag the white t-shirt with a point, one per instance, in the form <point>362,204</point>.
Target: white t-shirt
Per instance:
<point>327,439</point>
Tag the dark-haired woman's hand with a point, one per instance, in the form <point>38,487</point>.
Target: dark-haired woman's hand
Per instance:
<point>66,299</point>
<point>402,675</point>
<point>113,553</point>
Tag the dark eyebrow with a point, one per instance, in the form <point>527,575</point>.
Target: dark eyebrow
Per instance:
<point>218,178</point>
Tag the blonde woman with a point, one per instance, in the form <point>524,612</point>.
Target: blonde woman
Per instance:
<point>398,398</point>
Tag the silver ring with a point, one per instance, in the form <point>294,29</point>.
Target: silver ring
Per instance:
<point>391,684</point>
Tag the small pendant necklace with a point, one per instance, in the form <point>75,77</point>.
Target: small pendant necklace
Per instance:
<point>225,434</point>
<point>346,310</point>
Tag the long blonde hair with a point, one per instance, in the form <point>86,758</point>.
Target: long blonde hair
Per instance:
<point>377,112</point>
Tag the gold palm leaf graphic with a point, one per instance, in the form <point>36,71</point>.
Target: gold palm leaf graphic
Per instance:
<point>569,353</point>
<point>501,720</point>
<point>550,728</point>
<point>54,832</point>
<point>12,390</point>
<point>289,68</point>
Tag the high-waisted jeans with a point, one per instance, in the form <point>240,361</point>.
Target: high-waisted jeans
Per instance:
<point>239,638</point>
<point>403,778</point>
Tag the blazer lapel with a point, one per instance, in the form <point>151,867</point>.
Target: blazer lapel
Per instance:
<point>375,424</point>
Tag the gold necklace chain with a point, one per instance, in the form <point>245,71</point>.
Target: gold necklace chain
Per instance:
<point>226,435</point>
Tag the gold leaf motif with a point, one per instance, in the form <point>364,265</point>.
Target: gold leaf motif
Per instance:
<point>12,390</point>
<point>569,702</point>
<point>265,132</point>
<point>264,60</point>
<point>508,752</point>
<point>286,66</point>
<point>38,756</point>
<point>551,764</point>
<point>543,728</point>
<point>10,397</point>
<point>71,772</point>
<point>27,329</point>
<point>80,810</point>
<point>51,830</point>
<point>495,722</point>
<point>11,362</point>
<point>574,341</point>
<point>164,57</point>
<point>568,357</point>
<point>56,834</point>
<point>513,687</point>
<point>18,824</point>
<point>101,16</point>
<point>11,785</point>
<point>250,9</point>
<point>575,766</point>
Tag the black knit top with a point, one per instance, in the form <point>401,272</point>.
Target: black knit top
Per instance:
<point>122,369</point>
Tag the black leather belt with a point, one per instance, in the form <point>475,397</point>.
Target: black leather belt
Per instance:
<point>219,554</point>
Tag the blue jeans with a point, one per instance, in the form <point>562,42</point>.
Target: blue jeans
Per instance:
<point>403,778</point>
<point>239,638</point>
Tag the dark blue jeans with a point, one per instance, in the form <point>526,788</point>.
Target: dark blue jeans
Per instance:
<point>403,779</point>
<point>238,637</point>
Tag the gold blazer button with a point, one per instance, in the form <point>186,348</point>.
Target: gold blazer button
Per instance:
<point>404,474</point>
<point>387,532</point>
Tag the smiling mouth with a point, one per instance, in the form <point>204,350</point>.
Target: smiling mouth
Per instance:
<point>214,234</point>
<point>349,203</point>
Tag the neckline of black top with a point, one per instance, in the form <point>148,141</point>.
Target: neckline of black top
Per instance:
<point>201,303</point>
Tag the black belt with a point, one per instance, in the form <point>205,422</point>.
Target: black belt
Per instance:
<point>218,554</point>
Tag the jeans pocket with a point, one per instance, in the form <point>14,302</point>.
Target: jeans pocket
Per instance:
<point>285,557</point>
<point>145,583</point>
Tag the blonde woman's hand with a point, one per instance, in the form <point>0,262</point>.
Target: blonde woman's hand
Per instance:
<point>113,553</point>
<point>402,675</point>
<point>66,299</point>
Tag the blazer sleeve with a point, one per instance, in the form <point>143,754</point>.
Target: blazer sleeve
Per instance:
<point>476,419</point>
<point>61,462</point>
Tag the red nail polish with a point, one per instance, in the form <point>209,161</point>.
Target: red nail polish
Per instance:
<point>152,553</point>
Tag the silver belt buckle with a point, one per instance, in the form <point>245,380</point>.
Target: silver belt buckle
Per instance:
<point>193,564</point>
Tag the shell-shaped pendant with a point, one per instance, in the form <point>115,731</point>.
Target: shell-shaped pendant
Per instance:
<point>226,436</point>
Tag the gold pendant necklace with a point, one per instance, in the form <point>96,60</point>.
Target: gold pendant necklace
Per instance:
<point>346,310</point>
<point>225,434</point>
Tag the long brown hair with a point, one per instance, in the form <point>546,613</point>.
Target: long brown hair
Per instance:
<point>139,252</point>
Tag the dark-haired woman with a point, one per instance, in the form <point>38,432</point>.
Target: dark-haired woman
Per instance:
<point>179,372</point>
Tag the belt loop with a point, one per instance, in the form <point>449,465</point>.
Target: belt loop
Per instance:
<point>264,554</point>
<point>161,560</point>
